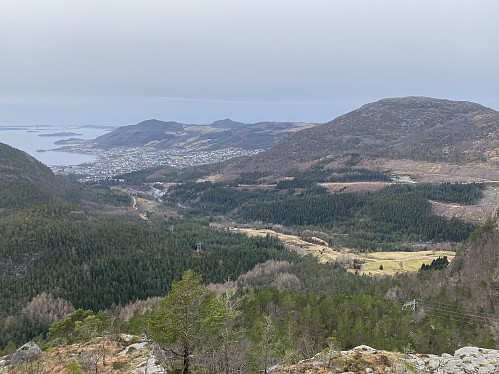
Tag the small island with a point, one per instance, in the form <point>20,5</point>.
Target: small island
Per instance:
<point>57,134</point>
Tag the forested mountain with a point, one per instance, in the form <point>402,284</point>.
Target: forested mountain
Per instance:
<point>417,128</point>
<point>279,313</point>
<point>94,261</point>
<point>17,165</point>
<point>395,217</point>
<point>25,181</point>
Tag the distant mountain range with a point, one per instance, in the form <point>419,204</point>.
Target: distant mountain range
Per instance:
<point>220,134</point>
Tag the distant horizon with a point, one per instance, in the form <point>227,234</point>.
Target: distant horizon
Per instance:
<point>205,123</point>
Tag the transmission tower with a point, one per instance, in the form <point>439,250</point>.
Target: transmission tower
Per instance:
<point>411,304</point>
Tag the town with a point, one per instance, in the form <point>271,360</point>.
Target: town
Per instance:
<point>120,160</point>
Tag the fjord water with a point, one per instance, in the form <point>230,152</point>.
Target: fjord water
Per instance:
<point>28,139</point>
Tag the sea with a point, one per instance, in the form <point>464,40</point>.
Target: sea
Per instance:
<point>39,141</point>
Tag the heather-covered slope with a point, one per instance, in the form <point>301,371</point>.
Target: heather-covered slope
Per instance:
<point>418,128</point>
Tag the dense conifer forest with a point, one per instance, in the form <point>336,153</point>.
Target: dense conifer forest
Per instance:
<point>94,261</point>
<point>372,221</point>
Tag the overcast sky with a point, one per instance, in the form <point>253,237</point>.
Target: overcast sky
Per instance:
<point>195,61</point>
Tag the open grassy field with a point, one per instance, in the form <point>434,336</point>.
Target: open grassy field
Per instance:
<point>393,262</point>
<point>399,262</point>
<point>354,187</point>
<point>321,250</point>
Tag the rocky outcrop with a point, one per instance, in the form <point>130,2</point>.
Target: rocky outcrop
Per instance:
<point>24,353</point>
<point>365,359</point>
<point>464,360</point>
<point>155,362</point>
<point>143,357</point>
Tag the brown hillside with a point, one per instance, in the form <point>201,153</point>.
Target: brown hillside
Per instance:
<point>417,128</point>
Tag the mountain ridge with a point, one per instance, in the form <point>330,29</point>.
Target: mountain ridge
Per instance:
<point>123,257</point>
<point>227,123</point>
<point>415,127</point>
<point>220,134</point>
<point>139,134</point>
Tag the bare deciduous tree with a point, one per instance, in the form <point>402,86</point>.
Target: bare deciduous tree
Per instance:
<point>47,309</point>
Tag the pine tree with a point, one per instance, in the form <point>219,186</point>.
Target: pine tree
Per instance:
<point>178,322</point>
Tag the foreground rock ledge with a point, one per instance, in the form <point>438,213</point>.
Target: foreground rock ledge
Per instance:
<point>365,359</point>
<point>132,355</point>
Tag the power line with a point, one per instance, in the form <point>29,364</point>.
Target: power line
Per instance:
<point>470,322</point>
<point>456,315</point>
<point>461,317</point>
<point>445,309</point>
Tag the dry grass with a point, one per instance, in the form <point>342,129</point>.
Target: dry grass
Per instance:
<point>55,360</point>
<point>428,172</point>
<point>210,178</point>
<point>203,129</point>
<point>322,251</point>
<point>354,187</point>
<point>404,256</point>
<point>393,262</point>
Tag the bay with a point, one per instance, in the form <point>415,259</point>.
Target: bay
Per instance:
<point>39,141</point>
